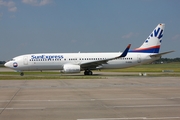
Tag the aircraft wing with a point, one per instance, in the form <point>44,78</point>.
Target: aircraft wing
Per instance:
<point>160,54</point>
<point>94,64</point>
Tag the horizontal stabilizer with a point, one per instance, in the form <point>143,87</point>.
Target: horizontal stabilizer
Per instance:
<point>160,54</point>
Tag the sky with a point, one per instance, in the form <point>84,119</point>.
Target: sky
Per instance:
<point>62,26</point>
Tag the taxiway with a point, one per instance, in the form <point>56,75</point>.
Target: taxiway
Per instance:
<point>132,98</point>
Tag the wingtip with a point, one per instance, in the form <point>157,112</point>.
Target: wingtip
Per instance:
<point>129,46</point>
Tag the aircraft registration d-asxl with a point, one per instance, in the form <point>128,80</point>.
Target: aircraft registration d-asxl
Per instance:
<point>77,62</point>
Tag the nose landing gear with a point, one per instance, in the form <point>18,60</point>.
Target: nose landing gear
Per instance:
<point>21,74</point>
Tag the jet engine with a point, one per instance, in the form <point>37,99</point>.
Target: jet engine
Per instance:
<point>70,68</point>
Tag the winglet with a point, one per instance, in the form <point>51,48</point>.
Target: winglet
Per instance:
<point>125,51</point>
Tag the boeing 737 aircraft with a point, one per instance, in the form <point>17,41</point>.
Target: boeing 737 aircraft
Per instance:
<point>77,62</point>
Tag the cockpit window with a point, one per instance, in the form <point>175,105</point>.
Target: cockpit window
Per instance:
<point>12,60</point>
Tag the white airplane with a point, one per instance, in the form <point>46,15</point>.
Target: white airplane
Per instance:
<point>77,62</point>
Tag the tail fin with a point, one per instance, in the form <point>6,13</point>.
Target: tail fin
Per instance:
<point>153,42</point>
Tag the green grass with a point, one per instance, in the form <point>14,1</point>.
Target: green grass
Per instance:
<point>42,76</point>
<point>45,77</point>
<point>175,67</point>
<point>151,70</point>
<point>1,65</point>
<point>27,77</point>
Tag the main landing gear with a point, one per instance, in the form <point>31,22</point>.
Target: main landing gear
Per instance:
<point>21,74</point>
<point>88,72</point>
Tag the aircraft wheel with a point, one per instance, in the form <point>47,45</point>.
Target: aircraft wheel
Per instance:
<point>88,72</point>
<point>85,72</point>
<point>21,74</point>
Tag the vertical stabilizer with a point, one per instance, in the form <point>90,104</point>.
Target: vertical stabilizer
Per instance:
<point>153,42</point>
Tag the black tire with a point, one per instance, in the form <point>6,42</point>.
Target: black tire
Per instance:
<point>88,72</point>
<point>85,73</point>
<point>21,74</point>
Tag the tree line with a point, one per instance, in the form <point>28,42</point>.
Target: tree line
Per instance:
<point>167,60</point>
<point>2,62</point>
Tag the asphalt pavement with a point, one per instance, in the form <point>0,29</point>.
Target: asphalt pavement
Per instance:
<point>119,98</point>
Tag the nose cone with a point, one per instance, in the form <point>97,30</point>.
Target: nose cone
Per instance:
<point>11,64</point>
<point>7,64</point>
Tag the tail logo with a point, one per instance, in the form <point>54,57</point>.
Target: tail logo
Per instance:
<point>156,33</point>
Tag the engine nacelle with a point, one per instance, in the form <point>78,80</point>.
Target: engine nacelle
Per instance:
<point>70,68</point>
